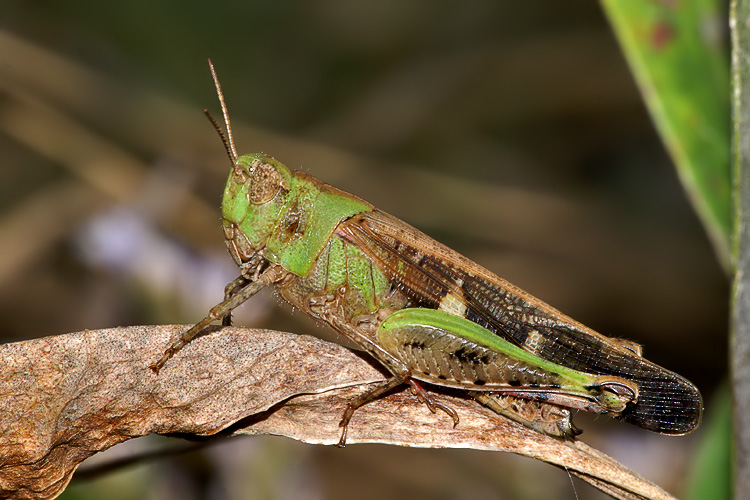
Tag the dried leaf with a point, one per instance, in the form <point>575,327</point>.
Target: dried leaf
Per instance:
<point>68,397</point>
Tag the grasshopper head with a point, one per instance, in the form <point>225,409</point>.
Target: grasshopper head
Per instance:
<point>255,196</point>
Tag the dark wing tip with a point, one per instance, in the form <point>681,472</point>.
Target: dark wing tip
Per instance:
<point>668,404</point>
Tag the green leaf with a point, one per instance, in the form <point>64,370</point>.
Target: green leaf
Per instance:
<point>677,54</point>
<point>711,472</point>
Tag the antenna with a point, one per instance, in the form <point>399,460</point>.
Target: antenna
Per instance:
<point>226,138</point>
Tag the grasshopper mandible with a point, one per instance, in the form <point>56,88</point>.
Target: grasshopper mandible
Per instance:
<point>427,313</point>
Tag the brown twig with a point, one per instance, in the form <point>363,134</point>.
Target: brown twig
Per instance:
<point>68,397</point>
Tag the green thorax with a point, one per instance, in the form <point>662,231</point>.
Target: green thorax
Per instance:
<point>289,214</point>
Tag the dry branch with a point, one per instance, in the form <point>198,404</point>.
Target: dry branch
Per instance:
<point>68,397</point>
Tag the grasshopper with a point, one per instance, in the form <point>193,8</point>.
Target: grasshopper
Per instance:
<point>427,313</point>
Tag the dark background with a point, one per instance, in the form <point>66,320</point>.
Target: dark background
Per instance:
<point>513,132</point>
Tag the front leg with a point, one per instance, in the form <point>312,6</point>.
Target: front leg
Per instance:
<point>230,290</point>
<point>271,275</point>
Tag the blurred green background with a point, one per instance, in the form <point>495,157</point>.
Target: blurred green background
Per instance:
<point>511,131</point>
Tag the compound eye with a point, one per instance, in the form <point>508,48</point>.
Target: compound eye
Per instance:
<point>265,182</point>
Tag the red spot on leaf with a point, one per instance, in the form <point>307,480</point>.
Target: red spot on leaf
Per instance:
<point>661,35</point>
